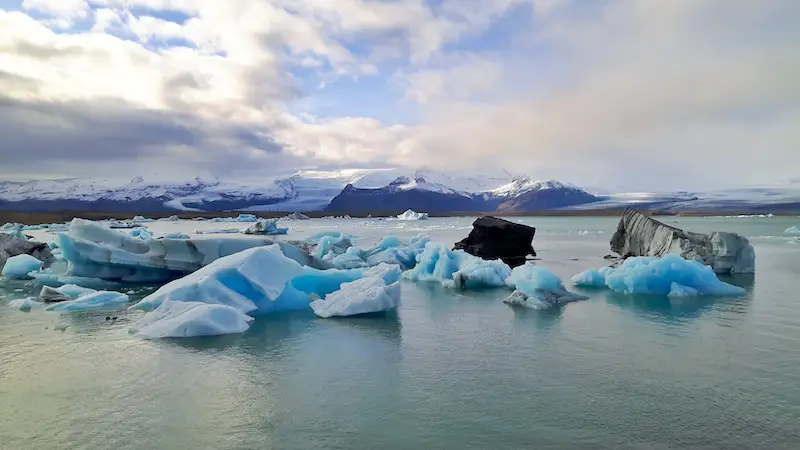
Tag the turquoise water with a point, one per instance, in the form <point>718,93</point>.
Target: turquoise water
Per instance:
<point>448,370</point>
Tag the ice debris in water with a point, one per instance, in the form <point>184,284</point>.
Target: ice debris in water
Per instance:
<point>255,281</point>
<point>457,268</point>
<point>190,319</point>
<point>792,230</point>
<point>379,290</point>
<point>172,218</point>
<point>95,300</point>
<point>537,288</point>
<point>412,215</point>
<point>339,250</point>
<point>24,304</point>
<point>669,274</point>
<point>267,227</point>
<point>18,267</point>
<point>141,219</point>
<point>239,218</point>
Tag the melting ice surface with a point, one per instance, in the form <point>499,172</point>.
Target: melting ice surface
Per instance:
<point>18,267</point>
<point>668,275</point>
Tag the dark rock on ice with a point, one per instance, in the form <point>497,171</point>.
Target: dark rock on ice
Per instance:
<point>493,238</point>
<point>640,235</point>
<point>51,295</point>
<point>13,246</point>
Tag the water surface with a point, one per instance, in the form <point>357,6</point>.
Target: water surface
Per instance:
<point>448,370</point>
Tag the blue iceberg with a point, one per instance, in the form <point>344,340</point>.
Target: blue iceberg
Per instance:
<point>457,268</point>
<point>339,250</point>
<point>379,290</point>
<point>253,282</point>
<point>667,275</point>
<point>95,300</point>
<point>266,227</point>
<point>538,288</point>
<point>18,267</point>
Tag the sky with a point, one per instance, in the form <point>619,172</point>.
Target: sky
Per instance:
<point>619,94</point>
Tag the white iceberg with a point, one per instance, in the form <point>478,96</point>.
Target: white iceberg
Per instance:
<point>24,304</point>
<point>538,288</point>
<point>296,216</point>
<point>457,268</point>
<point>95,300</point>
<point>18,267</point>
<point>667,275</point>
<point>412,215</point>
<point>191,319</point>
<point>378,291</point>
<point>239,218</point>
<point>792,230</point>
<point>218,231</point>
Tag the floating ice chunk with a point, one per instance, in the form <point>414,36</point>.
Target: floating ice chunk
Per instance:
<point>141,219</point>
<point>94,251</point>
<point>95,300</point>
<point>654,275</point>
<point>330,246</point>
<point>296,216</point>
<point>74,291</point>
<point>141,233</point>
<point>538,288</point>
<point>457,268</point>
<point>792,230</point>
<point>18,267</point>
<point>172,218</point>
<point>218,231</point>
<point>51,295</point>
<point>266,226</point>
<point>190,319</point>
<point>176,235</point>
<point>379,290</point>
<point>24,304</point>
<point>239,218</point>
<point>57,280</point>
<point>412,215</point>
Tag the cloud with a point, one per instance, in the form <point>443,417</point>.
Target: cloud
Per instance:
<point>633,94</point>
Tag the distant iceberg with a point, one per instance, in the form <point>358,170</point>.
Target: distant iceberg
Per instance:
<point>412,215</point>
<point>792,230</point>
<point>667,275</point>
<point>266,227</point>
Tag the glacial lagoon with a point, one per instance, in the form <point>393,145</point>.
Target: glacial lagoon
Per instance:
<point>448,369</point>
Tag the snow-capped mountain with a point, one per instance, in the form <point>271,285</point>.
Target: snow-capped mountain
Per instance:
<point>365,190</point>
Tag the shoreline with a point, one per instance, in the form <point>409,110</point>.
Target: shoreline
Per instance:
<point>36,218</point>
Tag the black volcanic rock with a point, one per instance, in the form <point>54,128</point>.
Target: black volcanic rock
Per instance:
<point>546,199</point>
<point>493,238</point>
<point>390,198</point>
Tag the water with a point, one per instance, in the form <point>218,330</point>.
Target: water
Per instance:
<point>449,370</point>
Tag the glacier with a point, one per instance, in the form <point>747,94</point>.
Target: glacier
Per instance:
<point>666,275</point>
<point>98,252</point>
<point>18,267</point>
<point>378,290</point>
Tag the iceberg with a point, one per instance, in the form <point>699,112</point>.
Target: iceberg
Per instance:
<point>141,219</point>
<point>379,290</point>
<point>64,293</point>
<point>267,227</point>
<point>538,288</point>
<point>172,218</point>
<point>640,235</point>
<point>412,215</point>
<point>96,252</point>
<point>95,300</point>
<point>218,231</point>
<point>175,235</point>
<point>792,230</point>
<point>339,250</point>
<point>239,218</point>
<point>13,246</point>
<point>191,319</point>
<point>24,304</point>
<point>18,267</point>
<point>296,216</point>
<point>457,268</point>
<point>255,281</point>
<point>667,275</point>
<point>141,233</point>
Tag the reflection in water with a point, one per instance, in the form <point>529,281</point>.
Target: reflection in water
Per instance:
<point>545,319</point>
<point>660,307</point>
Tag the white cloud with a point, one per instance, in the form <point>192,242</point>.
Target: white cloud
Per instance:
<point>638,93</point>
